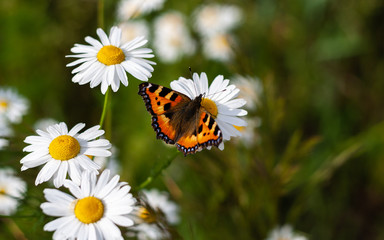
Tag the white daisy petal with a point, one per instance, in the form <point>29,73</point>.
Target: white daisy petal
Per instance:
<point>57,223</point>
<point>122,221</point>
<point>103,37</point>
<point>76,129</point>
<point>74,188</point>
<point>93,42</point>
<point>61,174</point>
<point>91,133</point>
<point>55,195</point>
<point>47,171</point>
<point>73,172</point>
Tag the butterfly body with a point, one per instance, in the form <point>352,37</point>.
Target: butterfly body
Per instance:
<point>179,120</point>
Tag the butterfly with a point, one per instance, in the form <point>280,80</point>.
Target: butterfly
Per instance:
<point>179,120</point>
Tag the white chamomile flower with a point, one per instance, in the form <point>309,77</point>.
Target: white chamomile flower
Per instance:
<point>153,215</point>
<point>3,143</point>
<point>218,99</point>
<point>111,162</point>
<point>172,39</point>
<point>62,151</point>
<point>12,105</point>
<point>146,231</point>
<point>107,62</point>
<point>92,211</point>
<point>44,123</point>
<point>132,29</point>
<point>251,90</point>
<point>285,232</point>
<point>216,18</point>
<point>160,201</point>
<point>12,188</point>
<point>219,47</point>
<point>128,9</point>
<point>249,135</point>
<point>5,129</point>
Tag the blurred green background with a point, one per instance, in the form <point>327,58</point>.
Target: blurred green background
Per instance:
<point>319,162</point>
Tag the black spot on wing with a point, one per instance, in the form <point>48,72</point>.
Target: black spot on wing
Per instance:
<point>167,106</point>
<point>164,92</point>
<point>168,115</point>
<point>200,128</point>
<point>153,88</point>
<point>216,130</point>
<point>173,97</point>
<point>205,117</point>
<point>211,122</point>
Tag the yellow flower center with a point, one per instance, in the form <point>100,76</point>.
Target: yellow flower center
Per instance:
<point>145,215</point>
<point>3,104</point>
<point>64,147</point>
<point>239,128</point>
<point>210,106</point>
<point>2,191</point>
<point>110,55</point>
<point>89,210</point>
<point>221,42</point>
<point>175,41</point>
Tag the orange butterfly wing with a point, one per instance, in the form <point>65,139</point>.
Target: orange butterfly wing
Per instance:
<point>159,100</point>
<point>207,134</point>
<point>163,103</point>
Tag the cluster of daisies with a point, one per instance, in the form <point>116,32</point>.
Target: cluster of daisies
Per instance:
<point>88,199</point>
<point>106,62</point>
<point>95,203</point>
<point>172,37</point>
<point>13,107</point>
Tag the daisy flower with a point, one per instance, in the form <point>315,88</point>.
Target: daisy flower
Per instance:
<point>219,47</point>
<point>249,135</point>
<point>44,123</point>
<point>172,38</point>
<point>153,215</point>
<point>132,29</point>
<point>3,143</point>
<point>12,105</point>
<point>11,188</point>
<point>92,210</point>
<point>145,231</point>
<point>219,100</point>
<point>251,90</point>
<point>111,162</point>
<point>128,9</point>
<point>285,232</point>
<point>107,62</point>
<point>62,151</point>
<point>5,129</point>
<point>216,18</point>
<point>159,201</point>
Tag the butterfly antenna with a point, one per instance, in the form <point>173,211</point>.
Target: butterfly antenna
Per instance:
<point>190,71</point>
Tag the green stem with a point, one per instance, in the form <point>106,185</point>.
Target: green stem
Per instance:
<point>100,14</point>
<point>157,172</point>
<point>18,216</point>
<point>106,98</point>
